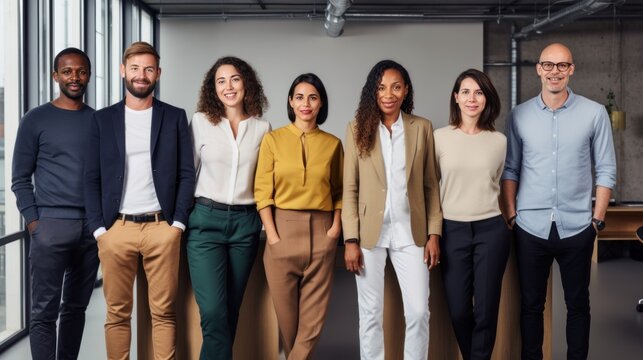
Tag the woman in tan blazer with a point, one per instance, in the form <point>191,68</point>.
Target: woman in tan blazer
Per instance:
<point>391,207</point>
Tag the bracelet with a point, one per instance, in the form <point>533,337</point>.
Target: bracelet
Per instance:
<point>351,241</point>
<point>511,219</point>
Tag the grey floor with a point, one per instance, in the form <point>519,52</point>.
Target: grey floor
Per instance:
<point>616,334</point>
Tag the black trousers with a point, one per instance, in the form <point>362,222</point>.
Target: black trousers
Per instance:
<point>473,261</point>
<point>63,264</point>
<point>535,257</point>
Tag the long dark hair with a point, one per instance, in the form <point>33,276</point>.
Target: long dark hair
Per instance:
<point>368,115</point>
<point>492,106</point>
<point>254,102</point>
<point>315,81</point>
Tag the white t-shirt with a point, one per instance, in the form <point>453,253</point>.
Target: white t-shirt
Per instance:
<point>139,194</point>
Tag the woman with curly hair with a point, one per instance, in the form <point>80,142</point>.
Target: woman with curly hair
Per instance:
<point>224,226</point>
<point>391,207</point>
<point>475,241</point>
<point>298,188</point>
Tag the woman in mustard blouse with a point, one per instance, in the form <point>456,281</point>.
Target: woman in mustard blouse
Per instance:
<point>298,190</point>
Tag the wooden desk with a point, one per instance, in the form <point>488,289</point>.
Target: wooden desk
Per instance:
<point>621,223</point>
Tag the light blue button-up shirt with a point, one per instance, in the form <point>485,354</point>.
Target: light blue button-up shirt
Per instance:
<point>550,154</point>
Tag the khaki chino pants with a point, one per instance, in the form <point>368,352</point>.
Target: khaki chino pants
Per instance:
<point>299,271</point>
<point>158,245</point>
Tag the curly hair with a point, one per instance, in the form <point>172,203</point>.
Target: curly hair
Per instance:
<point>254,102</point>
<point>491,109</point>
<point>368,115</point>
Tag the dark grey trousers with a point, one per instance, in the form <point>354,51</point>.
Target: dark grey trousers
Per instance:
<point>63,264</point>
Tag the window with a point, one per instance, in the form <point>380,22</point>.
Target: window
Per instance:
<point>2,165</point>
<point>115,49</point>
<point>99,68</point>
<point>147,27</point>
<point>136,29</point>
<point>12,254</point>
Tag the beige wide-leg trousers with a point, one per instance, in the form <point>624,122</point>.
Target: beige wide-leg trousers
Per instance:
<point>299,270</point>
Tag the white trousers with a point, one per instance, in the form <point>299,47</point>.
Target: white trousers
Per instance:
<point>413,277</point>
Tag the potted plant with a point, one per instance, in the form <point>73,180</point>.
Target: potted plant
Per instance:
<point>617,117</point>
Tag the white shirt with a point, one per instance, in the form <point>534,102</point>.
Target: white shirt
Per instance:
<point>225,166</point>
<point>396,225</point>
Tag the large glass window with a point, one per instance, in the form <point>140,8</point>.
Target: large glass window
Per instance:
<point>100,62</point>
<point>12,298</point>
<point>147,27</point>
<point>2,180</point>
<point>136,30</point>
<point>115,49</point>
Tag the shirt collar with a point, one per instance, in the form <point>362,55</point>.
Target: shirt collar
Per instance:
<point>570,100</point>
<point>397,123</point>
<point>295,130</point>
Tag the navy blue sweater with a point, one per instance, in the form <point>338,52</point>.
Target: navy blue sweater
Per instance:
<point>50,146</point>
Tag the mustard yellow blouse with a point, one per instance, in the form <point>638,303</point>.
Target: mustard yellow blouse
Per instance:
<point>299,170</point>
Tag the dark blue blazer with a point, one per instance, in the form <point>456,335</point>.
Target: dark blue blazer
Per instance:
<point>172,164</point>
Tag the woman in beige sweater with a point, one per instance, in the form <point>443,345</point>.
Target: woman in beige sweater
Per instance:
<point>475,239</point>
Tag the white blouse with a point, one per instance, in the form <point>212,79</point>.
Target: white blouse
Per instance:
<point>225,166</point>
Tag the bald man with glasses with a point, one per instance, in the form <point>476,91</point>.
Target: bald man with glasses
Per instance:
<point>552,142</point>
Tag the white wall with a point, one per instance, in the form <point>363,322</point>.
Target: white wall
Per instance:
<point>434,54</point>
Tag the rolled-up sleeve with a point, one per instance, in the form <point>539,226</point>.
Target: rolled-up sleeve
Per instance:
<point>514,151</point>
<point>603,151</point>
<point>264,177</point>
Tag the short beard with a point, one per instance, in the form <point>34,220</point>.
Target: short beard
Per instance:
<point>141,94</point>
<point>73,95</point>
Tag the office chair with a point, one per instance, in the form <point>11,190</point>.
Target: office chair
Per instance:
<point>639,235</point>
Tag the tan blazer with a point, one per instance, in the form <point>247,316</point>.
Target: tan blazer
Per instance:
<point>364,196</point>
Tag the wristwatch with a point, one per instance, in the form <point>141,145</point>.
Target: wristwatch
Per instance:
<point>600,224</point>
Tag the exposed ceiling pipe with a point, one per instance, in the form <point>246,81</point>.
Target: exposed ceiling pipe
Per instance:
<point>564,16</point>
<point>335,10</point>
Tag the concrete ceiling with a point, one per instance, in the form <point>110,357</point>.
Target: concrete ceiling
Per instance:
<point>439,10</point>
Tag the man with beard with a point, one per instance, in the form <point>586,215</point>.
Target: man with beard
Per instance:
<point>63,255</point>
<point>139,185</point>
<point>552,142</point>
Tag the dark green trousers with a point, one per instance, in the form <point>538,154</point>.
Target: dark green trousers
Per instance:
<point>221,247</point>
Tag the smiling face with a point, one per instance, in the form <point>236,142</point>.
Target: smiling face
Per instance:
<point>555,81</point>
<point>391,92</point>
<point>305,102</point>
<point>72,76</point>
<point>470,99</point>
<point>229,86</point>
<point>141,72</point>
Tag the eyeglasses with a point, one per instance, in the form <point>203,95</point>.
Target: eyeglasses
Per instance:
<point>549,66</point>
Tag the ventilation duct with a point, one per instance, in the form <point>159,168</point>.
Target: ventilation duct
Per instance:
<point>564,16</point>
<point>335,16</point>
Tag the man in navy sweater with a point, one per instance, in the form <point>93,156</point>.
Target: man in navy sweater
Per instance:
<point>63,256</point>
